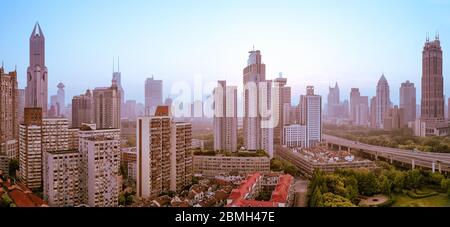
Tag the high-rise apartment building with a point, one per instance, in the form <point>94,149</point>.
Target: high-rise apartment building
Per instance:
<point>284,99</point>
<point>383,101</point>
<point>37,74</point>
<point>153,95</point>
<point>61,103</point>
<point>164,154</point>
<point>82,109</point>
<point>153,155</point>
<point>107,107</point>
<point>181,170</point>
<point>37,136</point>
<point>9,100</point>
<point>99,166</point>
<point>311,116</point>
<point>408,101</point>
<point>61,176</point>
<point>21,104</point>
<point>225,117</point>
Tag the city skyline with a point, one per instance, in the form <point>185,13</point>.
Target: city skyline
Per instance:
<point>308,55</point>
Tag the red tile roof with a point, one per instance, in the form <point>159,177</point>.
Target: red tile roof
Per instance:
<point>281,191</point>
<point>21,199</point>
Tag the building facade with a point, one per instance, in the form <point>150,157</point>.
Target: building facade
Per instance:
<point>153,95</point>
<point>408,101</point>
<point>107,107</point>
<point>9,100</point>
<point>311,116</point>
<point>383,101</point>
<point>62,178</point>
<point>83,109</point>
<point>225,118</point>
<point>37,73</point>
<point>211,166</point>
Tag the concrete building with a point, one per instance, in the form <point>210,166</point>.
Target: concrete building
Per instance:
<point>21,104</point>
<point>117,79</point>
<point>211,166</point>
<point>129,110</point>
<point>164,154</point>
<point>255,87</point>
<point>36,136</point>
<point>311,116</point>
<point>153,155</point>
<point>61,177</point>
<point>225,117</point>
<point>107,107</point>
<point>180,156</point>
<point>284,99</point>
<point>408,101</point>
<point>373,112</point>
<point>334,105</point>
<point>83,109</point>
<point>153,95</point>
<point>294,136</point>
<point>30,148</point>
<point>9,100</point>
<point>432,104</point>
<point>37,73</point>
<point>99,166</point>
<point>395,119</point>
<point>383,101</point>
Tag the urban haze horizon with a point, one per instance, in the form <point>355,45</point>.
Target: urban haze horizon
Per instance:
<point>315,58</point>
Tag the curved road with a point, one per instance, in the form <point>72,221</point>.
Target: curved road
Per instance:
<point>437,161</point>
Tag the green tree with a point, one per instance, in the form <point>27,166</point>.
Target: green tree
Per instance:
<point>13,167</point>
<point>332,200</point>
<point>413,179</point>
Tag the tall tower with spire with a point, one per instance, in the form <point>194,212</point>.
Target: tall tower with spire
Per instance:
<point>432,82</point>
<point>118,80</point>
<point>37,74</point>
<point>383,101</point>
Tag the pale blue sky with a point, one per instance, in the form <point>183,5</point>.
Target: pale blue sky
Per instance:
<point>311,42</point>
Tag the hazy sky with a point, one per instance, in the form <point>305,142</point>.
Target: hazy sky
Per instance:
<point>311,42</point>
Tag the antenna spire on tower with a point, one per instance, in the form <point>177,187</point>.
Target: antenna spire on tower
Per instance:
<point>113,65</point>
<point>437,35</point>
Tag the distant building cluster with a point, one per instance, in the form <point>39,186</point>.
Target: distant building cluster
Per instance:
<point>426,118</point>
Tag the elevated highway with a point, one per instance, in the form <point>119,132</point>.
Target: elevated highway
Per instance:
<point>433,161</point>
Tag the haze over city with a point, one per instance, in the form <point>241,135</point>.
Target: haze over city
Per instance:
<point>311,42</point>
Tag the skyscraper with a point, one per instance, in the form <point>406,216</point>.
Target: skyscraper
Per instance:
<point>432,82</point>
<point>82,109</point>
<point>21,104</point>
<point>181,169</point>
<point>153,155</point>
<point>383,101</point>
<point>37,74</point>
<point>408,101</point>
<point>284,93</point>
<point>373,112</point>
<point>164,154</point>
<point>117,78</point>
<point>107,107</point>
<point>354,103</point>
<point>153,95</point>
<point>99,166</point>
<point>61,103</point>
<point>334,106</point>
<point>255,88</point>
<point>225,117</point>
<point>9,100</point>
<point>311,116</point>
